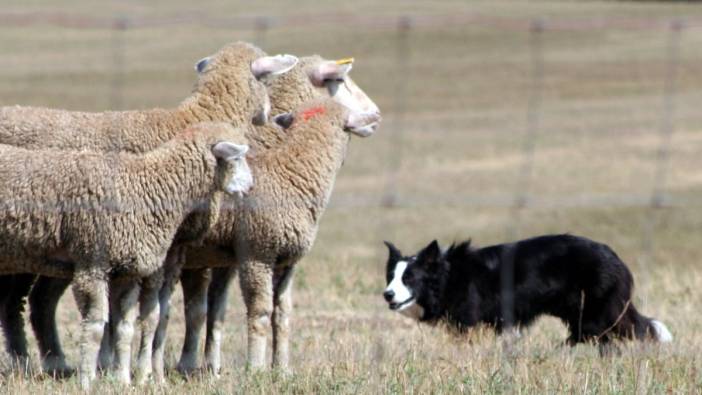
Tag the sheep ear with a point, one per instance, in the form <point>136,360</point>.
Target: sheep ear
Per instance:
<point>284,120</point>
<point>273,65</point>
<point>362,123</point>
<point>202,64</point>
<point>333,70</point>
<point>228,151</point>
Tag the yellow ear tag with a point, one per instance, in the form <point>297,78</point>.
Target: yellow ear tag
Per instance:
<point>344,61</point>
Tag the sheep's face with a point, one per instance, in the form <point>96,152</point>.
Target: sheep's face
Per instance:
<point>359,123</point>
<point>362,123</point>
<point>333,76</point>
<point>236,177</point>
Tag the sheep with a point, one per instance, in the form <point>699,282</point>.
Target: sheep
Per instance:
<point>286,92</point>
<point>271,229</point>
<point>91,216</point>
<point>227,90</point>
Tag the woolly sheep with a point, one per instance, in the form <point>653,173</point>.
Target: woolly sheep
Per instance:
<point>91,216</point>
<point>227,90</point>
<point>287,92</point>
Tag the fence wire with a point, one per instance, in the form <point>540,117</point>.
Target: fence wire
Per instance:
<point>403,116</point>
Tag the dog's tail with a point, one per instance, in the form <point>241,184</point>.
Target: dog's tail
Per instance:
<point>659,331</point>
<point>640,327</point>
<point>649,328</point>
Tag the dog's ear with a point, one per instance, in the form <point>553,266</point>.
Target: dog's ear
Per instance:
<point>430,253</point>
<point>393,253</point>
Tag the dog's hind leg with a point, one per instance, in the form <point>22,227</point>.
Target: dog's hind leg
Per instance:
<point>608,348</point>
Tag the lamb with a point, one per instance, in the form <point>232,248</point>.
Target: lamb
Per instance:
<point>91,216</point>
<point>228,90</point>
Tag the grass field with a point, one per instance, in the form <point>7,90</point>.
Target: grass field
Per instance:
<point>451,152</point>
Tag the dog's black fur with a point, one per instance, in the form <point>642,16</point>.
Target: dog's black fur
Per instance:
<point>580,281</point>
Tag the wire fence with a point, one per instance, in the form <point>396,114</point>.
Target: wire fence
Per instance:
<point>526,144</point>
<point>404,32</point>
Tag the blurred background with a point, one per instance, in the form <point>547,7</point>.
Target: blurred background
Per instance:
<point>502,120</point>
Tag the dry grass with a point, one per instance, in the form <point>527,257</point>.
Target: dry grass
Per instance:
<point>460,155</point>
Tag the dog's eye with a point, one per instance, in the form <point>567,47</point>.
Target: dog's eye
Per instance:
<point>408,276</point>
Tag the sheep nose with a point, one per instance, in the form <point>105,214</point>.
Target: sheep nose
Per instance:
<point>388,295</point>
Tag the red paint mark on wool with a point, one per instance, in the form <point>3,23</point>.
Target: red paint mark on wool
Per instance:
<point>312,112</point>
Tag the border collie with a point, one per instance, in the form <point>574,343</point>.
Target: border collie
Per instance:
<point>580,281</point>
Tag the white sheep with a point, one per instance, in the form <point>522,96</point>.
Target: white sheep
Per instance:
<point>227,90</point>
<point>273,227</point>
<point>287,92</point>
<point>93,216</point>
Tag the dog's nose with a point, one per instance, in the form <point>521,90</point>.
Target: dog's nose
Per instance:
<point>388,295</point>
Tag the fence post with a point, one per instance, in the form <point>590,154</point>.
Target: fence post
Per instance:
<point>395,153</point>
<point>521,196</point>
<point>117,47</point>
<point>667,117</point>
<point>533,119</point>
<point>667,128</point>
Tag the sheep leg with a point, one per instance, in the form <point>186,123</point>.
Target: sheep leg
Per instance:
<point>15,287</point>
<point>282,310</point>
<point>43,301</point>
<point>107,350</point>
<point>194,283</point>
<point>173,265</point>
<point>123,311</point>
<point>149,315</point>
<point>256,282</point>
<point>159,342</point>
<point>90,292</point>
<point>217,294</point>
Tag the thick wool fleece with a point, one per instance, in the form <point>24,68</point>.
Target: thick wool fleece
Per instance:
<point>279,215</point>
<point>227,91</point>
<point>118,212</point>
